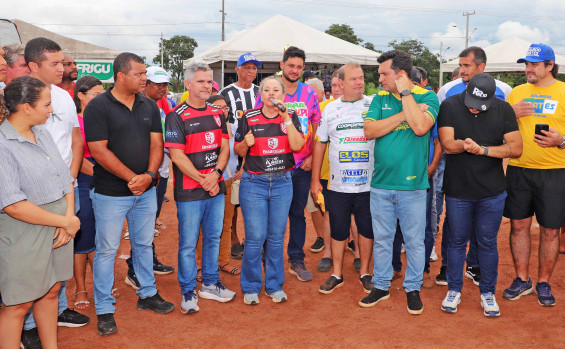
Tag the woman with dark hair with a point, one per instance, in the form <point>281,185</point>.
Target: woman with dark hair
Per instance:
<point>86,88</point>
<point>37,220</point>
<point>267,137</point>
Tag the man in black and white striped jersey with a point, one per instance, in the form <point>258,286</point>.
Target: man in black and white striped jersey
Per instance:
<point>241,96</point>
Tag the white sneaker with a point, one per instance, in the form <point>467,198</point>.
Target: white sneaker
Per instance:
<point>251,298</point>
<point>433,255</point>
<point>490,307</point>
<point>217,292</point>
<point>403,248</point>
<point>451,301</point>
<point>189,303</point>
<point>278,296</point>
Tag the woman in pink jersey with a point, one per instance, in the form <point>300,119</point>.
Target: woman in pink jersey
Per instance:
<point>267,137</point>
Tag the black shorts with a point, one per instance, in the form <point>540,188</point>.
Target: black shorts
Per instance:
<point>341,206</point>
<point>536,191</point>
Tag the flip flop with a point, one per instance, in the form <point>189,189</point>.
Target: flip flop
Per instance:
<point>561,252</point>
<point>161,225</point>
<point>82,305</point>
<point>199,277</point>
<point>234,271</point>
<point>115,292</point>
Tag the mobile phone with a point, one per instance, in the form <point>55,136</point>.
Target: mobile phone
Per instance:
<point>540,127</point>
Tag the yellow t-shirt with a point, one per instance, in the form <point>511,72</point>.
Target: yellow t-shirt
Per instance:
<point>549,108</point>
<point>325,170</point>
<point>184,97</point>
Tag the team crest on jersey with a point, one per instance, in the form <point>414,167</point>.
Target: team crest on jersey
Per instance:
<point>283,127</point>
<point>218,120</point>
<point>209,136</point>
<point>273,143</point>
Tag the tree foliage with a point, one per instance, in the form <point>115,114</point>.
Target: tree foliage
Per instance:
<point>175,51</point>
<point>344,32</point>
<point>421,57</point>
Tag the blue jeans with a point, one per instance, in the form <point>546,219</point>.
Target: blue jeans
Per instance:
<point>300,192</point>
<point>409,208</point>
<point>110,213</point>
<point>265,202</point>
<point>191,215</point>
<point>437,204</point>
<point>29,321</point>
<point>483,217</point>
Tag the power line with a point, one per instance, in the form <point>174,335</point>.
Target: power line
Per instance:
<point>136,25</point>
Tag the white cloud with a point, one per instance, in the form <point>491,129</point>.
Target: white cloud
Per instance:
<point>509,29</point>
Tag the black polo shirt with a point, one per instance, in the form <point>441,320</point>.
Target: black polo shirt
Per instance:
<point>128,133</point>
<point>468,176</point>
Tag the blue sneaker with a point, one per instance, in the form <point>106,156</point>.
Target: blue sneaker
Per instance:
<point>490,307</point>
<point>451,301</point>
<point>545,297</point>
<point>518,289</point>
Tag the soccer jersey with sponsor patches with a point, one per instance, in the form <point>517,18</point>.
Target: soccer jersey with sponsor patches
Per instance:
<point>199,133</point>
<point>271,151</point>
<point>549,108</point>
<point>304,102</point>
<point>239,99</point>
<point>350,153</point>
<point>401,157</point>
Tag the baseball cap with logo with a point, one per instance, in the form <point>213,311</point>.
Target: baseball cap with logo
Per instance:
<point>480,92</point>
<point>247,58</point>
<point>158,75</point>
<point>538,53</point>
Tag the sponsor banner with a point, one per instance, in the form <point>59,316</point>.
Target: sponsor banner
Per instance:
<point>103,70</point>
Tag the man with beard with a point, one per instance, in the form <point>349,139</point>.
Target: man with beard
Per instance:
<point>70,74</point>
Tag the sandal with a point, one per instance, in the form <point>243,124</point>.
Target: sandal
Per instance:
<point>115,292</point>
<point>82,305</point>
<point>233,271</point>
<point>160,225</point>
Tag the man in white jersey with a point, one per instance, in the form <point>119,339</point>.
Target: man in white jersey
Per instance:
<point>349,187</point>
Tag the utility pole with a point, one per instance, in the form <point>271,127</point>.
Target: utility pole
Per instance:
<point>162,49</point>
<point>441,53</point>
<point>223,39</point>
<point>467,14</point>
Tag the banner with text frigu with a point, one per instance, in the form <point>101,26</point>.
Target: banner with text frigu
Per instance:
<point>103,70</point>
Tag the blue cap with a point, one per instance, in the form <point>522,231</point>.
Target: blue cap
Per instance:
<point>246,58</point>
<point>538,53</point>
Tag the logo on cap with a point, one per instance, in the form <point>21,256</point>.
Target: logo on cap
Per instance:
<point>479,93</point>
<point>534,51</point>
<point>483,107</point>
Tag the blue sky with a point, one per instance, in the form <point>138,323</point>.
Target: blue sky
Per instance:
<point>136,26</point>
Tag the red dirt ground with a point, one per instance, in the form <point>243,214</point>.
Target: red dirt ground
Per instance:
<point>312,320</point>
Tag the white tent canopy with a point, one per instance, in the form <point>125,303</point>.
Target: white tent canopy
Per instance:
<point>502,57</point>
<point>268,40</point>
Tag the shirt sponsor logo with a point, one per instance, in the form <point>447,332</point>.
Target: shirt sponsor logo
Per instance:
<point>352,140</point>
<point>354,177</point>
<point>218,120</point>
<point>386,107</point>
<point>210,157</point>
<point>354,156</point>
<point>410,178</point>
<point>270,162</point>
<point>209,137</point>
<point>272,143</point>
<point>349,126</point>
<point>283,128</point>
<point>254,120</point>
<point>171,134</point>
<point>543,106</point>
<point>195,124</point>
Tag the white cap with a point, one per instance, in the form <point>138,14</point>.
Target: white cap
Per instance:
<point>158,75</point>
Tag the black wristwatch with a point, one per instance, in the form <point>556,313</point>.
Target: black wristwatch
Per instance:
<point>404,93</point>
<point>218,171</point>
<point>151,174</point>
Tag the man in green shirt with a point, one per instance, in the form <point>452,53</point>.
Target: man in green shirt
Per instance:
<point>399,119</point>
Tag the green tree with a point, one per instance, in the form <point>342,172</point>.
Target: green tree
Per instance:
<point>175,51</point>
<point>421,56</point>
<point>344,32</point>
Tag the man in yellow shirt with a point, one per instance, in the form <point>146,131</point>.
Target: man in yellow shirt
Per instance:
<point>535,179</point>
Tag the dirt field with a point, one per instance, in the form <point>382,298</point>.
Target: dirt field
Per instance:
<point>312,320</point>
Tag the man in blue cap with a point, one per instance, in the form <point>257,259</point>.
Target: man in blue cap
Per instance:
<point>535,179</point>
<point>240,96</point>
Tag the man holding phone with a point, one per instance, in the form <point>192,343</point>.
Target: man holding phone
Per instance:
<point>535,179</point>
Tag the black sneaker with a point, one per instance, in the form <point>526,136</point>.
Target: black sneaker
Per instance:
<point>161,269</point>
<point>165,199</point>
<point>318,245</point>
<point>351,246</point>
<point>367,283</point>
<point>441,278</point>
<point>131,280</point>
<point>330,285</point>
<point>376,295</point>
<point>155,303</point>
<point>30,339</point>
<point>474,273</point>
<point>415,306</point>
<point>71,318</point>
<point>237,251</point>
<point>325,264</point>
<point>106,324</point>
<point>357,264</point>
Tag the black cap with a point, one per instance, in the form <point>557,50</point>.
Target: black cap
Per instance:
<point>416,76</point>
<point>480,92</point>
<point>308,74</point>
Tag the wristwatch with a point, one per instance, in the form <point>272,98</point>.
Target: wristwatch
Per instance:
<point>562,145</point>
<point>151,174</point>
<point>404,93</point>
<point>218,171</point>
